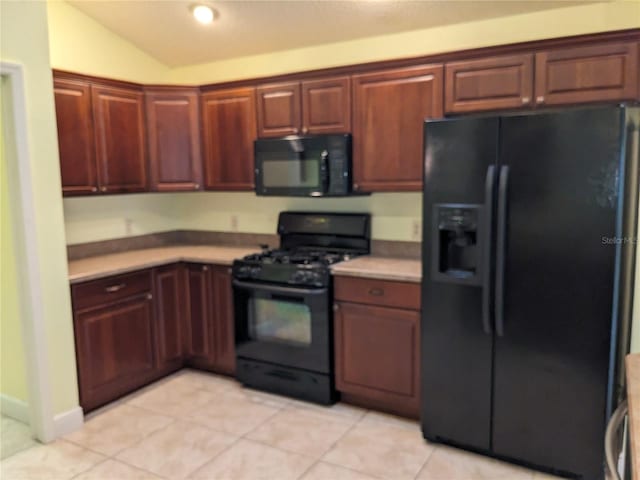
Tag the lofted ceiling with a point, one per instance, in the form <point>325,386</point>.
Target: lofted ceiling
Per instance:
<point>166,30</point>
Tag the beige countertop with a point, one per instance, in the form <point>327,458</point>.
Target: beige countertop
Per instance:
<point>383,268</point>
<point>113,264</point>
<point>633,397</point>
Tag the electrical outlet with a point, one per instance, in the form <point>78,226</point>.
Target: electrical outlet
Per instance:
<point>416,230</point>
<point>234,223</point>
<point>128,226</point>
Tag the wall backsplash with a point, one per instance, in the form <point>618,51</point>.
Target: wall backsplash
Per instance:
<point>396,216</point>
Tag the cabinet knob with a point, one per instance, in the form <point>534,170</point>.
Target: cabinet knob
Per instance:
<point>205,268</point>
<point>356,186</point>
<point>335,307</point>
<point>149,296</point>
<point>94,189</point>
<point>296,130</point>
<point>526,100</point>
<point>305,129</point>
<point>103,189</point>
<point>540,99</point>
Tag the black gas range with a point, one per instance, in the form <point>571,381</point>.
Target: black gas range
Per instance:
<point>283,298</point>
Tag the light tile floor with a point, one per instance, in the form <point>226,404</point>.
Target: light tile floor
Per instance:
<point>200,426</point>
<point>14,437</point>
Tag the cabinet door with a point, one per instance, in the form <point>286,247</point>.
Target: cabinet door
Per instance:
<point>229,129</point>
<point>118,115</point>
<point>607,72</point>
<point>279,109</point>
<point>224,331</point>
<point>75,137</point>
<point>489,83</point>
<point>115,349</point>
<point>378,356</point>
<point>200,342</point>
<point>326,105</point>
<point>388,121</point>
<point>174,139</point>
<point>170,313</point>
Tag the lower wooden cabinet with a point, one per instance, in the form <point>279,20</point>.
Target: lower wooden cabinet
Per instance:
<point>377,351</point>
<point>114,333</point>
<point>134,328</point>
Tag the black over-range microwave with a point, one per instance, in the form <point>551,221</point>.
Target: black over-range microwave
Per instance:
<point>306,166</point>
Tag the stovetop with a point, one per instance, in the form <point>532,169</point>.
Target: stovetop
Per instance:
<point>296,266</point>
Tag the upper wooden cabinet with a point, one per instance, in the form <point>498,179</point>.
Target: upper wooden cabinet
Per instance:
<point>173,132</point>
<point>75,137</point>
<point>307,107</point>
<point>389,110</point>
<point>604,72</point>
<point>326,105</point>
<point>118,116</point>
<point>229,130</point>
<point>489,83</point>
<point>279,109</point>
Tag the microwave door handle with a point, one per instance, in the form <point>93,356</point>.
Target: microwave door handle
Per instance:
<point>324,170</point>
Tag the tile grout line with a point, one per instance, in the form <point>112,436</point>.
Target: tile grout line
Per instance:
<point>435,447</point>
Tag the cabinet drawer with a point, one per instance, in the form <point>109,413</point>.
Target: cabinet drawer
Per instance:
<point>377,292</point>
<point>106,290</point>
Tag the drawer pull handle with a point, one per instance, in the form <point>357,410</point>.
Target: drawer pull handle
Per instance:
<point>376,292</point>
<point>115,288</point>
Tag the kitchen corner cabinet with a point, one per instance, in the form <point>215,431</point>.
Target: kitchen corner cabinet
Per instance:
<point>118,117</point>
<point>229,130</point>
<point>377,344</point>
<point>211,340</point>
<point>170,314</point>
<point>173,132</point>
<point>492,83</point>
<point>389,109</point>
<point>75,137</point>
<point>596,73</point>
<point>114,334</point>
<point>314,106</point>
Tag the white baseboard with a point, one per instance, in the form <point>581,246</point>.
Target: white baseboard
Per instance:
<point>67,422</point>
<point>14,408</point>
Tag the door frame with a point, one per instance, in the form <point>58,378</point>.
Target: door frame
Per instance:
<point>21,194</point>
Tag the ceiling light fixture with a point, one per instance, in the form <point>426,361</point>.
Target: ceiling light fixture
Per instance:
<point>203,13</point>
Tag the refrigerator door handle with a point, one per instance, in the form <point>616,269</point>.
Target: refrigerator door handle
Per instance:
<point>488,228</point>
<point>501,247</point>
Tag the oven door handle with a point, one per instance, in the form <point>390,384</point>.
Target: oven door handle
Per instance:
<point>292,291</point>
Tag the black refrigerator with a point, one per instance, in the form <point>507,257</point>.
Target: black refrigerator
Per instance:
<point>528,262</point>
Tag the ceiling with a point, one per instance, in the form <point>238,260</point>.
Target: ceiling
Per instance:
<point>166,30</point>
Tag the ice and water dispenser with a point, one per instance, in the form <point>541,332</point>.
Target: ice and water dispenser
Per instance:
<point>456,239</point>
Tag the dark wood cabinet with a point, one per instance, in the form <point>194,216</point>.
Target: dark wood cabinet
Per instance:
<point>170,316</point>
<point>200,340</point>
<point>278,109</point>
<point>597,73</point>
<point>326,105</point>
<point>229,130</point>
<point>313,106</point>
<point>173,132</point>
<point>114,334</point>
<point>224,331</point>
<point>389,110</point>
<point>492,83</point>
<point>75,137</point>
<point>118,116</point>
<point>380,317</point>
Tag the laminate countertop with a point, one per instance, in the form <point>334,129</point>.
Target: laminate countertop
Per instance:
<point>382,268</point>
<point>116,263</point>
<point>633,397</point>
<point>91,268</point>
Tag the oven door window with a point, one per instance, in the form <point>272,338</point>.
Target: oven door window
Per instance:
<point>279,321</point>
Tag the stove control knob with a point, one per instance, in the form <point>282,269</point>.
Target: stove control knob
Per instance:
<point>254,272</point>
<point>241,272</point>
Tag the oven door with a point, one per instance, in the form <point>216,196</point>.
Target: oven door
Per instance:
<point>283,325</point>
<point>291,167</point>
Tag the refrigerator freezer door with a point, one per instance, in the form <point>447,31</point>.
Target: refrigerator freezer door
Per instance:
<point>552,361</point>
<point>459,170</point>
